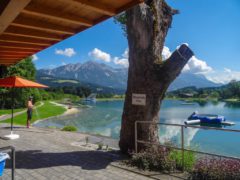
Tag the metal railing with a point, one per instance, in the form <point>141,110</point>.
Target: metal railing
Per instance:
<point>183,149</point>
<point>12,158</point>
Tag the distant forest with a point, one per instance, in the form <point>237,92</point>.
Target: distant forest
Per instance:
<point>229,91</point>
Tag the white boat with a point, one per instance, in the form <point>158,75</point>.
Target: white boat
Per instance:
<point>91,97</point>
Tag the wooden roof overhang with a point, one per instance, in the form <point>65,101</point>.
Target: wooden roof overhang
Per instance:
<point>29,26</point>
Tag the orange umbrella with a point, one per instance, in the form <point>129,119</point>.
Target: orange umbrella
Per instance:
<point>17,82</point>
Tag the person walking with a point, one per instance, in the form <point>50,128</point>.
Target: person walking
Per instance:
<point>29,110</point>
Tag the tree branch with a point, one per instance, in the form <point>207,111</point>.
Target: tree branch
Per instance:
<point>177,61</point>
<point>173,66</point>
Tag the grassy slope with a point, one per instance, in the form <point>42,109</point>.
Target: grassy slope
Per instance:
<point>9,111</point>
<point>45,111</point>
<point>110,99</point>
<point>66,81</point>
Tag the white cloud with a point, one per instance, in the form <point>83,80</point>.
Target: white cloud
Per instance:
<point>197,66</point>
<point>166,53</point>
<point>182,44</point>
<point>69,52</point>
<point>100,55</point>
<point>123,61</point>
<point>227,70</point>
<point>126,53</point>
<point>223,77</point>
<point>194,65</point>
<point>34,57</point>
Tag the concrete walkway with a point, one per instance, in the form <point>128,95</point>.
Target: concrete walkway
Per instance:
<point>53,154</point>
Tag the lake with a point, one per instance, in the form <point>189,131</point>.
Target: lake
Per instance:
<point>105,118</point>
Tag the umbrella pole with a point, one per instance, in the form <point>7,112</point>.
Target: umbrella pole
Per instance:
<point>12,110</point>
<point>12,135</point>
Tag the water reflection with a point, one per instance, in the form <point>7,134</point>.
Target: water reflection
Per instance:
<point>173,133</point>
<point>232,104</point>
<point>201,103</point>
<point>105,118</point>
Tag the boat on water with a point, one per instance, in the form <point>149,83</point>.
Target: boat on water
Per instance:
<point>202,119</point>
<point>91,97</point>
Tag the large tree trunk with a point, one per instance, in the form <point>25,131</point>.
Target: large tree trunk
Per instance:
<point>147,26</point>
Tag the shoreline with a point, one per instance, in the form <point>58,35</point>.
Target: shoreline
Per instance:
<point>68,112</point>
<point>71,111</point>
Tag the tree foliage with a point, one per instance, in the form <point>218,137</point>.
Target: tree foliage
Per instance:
<point>229,91</point>
<point>25,69</point>
<point>122,21</point>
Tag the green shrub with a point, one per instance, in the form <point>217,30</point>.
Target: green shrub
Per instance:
<point>189,159</point>
<point>162,159</point>
<point>153,159</point>
<point>52,127</point>
<point>69,128</point>
<point>100,146</point>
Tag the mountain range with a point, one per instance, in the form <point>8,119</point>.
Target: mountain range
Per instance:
<point>100,74</point>
<point>91,72</point>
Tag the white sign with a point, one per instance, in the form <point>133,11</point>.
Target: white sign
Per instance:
<point>139,99</point>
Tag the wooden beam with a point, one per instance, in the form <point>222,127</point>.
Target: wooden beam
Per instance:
<point>7,63</point>
<point>96,6</point>
<point>10,58</point>
<point>26,42</point>
<point>13,55</point>
<point>41,25</point>
<point>15,51</point>
<point>24,32</point>
<point>51,13</point>
<point>17,44</point>
<point>129,5</point>
<point>12,10</point>
<point>20,48</point>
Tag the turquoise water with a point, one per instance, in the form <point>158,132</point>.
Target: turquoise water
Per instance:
<point>105,118</point>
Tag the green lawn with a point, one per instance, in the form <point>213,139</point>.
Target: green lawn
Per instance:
<point>66,81</point>
<point>9,111</point>
<point>45,111</point>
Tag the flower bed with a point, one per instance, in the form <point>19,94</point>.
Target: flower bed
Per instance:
<point>213,168</point>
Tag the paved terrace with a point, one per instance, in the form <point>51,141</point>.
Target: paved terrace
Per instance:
<point>53,154</point>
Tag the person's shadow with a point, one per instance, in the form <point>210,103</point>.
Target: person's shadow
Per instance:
<point>90,160</point>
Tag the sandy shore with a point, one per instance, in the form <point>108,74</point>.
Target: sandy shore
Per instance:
<point>68,111</point>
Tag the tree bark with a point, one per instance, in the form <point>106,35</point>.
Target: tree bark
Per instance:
<point>147,27</point>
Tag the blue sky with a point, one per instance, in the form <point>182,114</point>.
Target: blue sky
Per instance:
<point>210,27</point>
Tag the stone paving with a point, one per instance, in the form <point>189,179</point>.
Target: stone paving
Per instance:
<point>52,154</point>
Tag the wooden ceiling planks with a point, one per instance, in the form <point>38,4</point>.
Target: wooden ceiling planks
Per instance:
<point>97,7</point>
<point>34,35</point>
<point>29,26</point>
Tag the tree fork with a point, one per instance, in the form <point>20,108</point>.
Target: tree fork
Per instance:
<point>147,26</point>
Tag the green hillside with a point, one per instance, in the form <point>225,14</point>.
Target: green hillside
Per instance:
<point>228,92</point>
